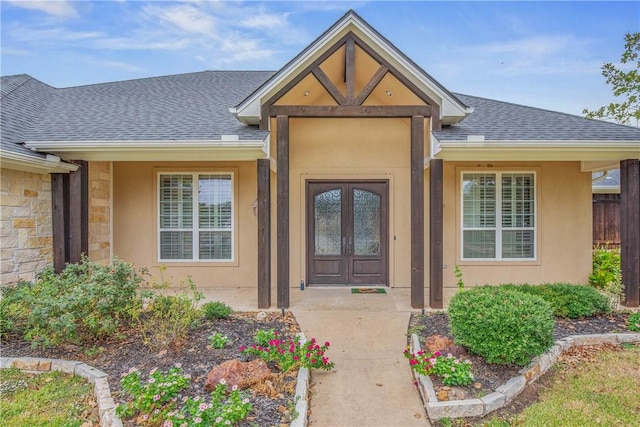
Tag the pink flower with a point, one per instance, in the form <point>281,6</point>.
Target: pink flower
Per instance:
<point>222,381</point>
<point>197,420</point>
<point>235,387</point>
<point>326,343</point>
<point>156,397</point>
<point>145,417</point>
<point>437,353</point>
<point>245,401</point>
<point>453,369</point>
<point>152,380</point>
<point>203,406</point>
<point>242,348</point>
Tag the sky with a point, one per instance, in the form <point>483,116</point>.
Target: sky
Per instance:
<point>538,53</point>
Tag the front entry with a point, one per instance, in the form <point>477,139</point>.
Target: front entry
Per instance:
<point>347,232</point>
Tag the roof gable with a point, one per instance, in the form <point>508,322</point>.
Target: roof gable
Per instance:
<point>351,25</point>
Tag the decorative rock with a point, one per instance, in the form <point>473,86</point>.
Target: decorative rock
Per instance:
<point>477,386</point>
<point>437,343</point>
<point>455,350</point>
<point>235,372</point>
<point>442,395</point>
<point>261,315</point>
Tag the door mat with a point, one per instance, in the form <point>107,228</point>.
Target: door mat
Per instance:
<point>368,291</point>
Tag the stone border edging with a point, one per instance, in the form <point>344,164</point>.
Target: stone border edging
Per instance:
<point>37,365</point>
<point>507,391</point>
<point>106,404</point>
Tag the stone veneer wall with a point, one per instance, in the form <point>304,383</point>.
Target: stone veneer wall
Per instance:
<point>26,243</point>
<point>100,211</point>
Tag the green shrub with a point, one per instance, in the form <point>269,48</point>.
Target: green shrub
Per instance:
<point>567,300</point>
<point>606,268</point>
<point>85,301</point>
<point>607,274</point>
<point>164,320</point>
<point>634,322</point>
<point>502,325</point>
<point>216,310</point>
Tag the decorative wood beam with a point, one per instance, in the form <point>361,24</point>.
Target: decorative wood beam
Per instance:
<point>78,213</point>
<point>371,85</point>
<point>59,219</point>
<point>436,224</point>
<point>264,233</point>
<point>264,120</point>
<point>349,69</point>
<point>326,82</point>
<point>417,212</point>
<point>436,124</point>
<point>350,110</point>
<point>630,230</point>
<point>283,210</point>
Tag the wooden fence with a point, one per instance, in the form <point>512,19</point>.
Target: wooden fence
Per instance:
<point>606,220</point>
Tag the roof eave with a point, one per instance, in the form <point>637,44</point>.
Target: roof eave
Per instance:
<point>27,163</point>
<point>152,150</point>
<point>586,151</point>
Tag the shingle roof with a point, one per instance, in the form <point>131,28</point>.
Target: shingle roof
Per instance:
<point>610,179</point>
<point>195,106</point>
<point>192,106</point>
<point>24,100</point>
<point>504,121</point>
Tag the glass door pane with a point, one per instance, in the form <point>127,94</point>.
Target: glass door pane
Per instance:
<point>366,222</point>
<point>328,222</point>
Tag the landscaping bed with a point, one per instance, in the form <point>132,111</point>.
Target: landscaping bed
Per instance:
<point>490,376</point>
<point>272,400</point>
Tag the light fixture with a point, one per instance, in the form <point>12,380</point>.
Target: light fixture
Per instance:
<point>388,92</point>
<point>307,92</point>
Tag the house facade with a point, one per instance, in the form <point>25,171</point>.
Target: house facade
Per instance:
<point>350,166</point>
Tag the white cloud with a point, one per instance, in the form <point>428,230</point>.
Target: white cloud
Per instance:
<point>186,18</point>
<point>60,8</point>
<point>118,65</point>
<point>266,21</point>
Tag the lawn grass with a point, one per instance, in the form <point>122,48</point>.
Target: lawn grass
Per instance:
<point>601,392</point>
<point>50,399</point>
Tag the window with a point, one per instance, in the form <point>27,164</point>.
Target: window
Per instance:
<point>195,217</point>
<point>498,216</point>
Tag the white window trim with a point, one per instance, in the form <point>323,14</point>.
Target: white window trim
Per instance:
<point>196,228</point>
<point>498,228</point>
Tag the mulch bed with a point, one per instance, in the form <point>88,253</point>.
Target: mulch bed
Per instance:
<point>492,376</point>
<point>115,356</point>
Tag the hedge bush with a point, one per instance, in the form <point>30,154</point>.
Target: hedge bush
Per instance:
<point>502,325</point>
<point>86,301</point>
<point>567,300</point>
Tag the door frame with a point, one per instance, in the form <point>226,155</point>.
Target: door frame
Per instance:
<point>384,232</point>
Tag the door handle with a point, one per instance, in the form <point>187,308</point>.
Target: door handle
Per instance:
<point>344,246</point>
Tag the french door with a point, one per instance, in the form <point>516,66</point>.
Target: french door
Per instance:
<point>347,232</point>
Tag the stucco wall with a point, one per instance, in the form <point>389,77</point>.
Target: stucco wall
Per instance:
<point>25,222</point>
<point>563,228</point>
<point>100,211</point>
<point>348,149</point>
<point>135,222</point>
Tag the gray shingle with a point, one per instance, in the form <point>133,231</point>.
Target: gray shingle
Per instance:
<point>504,121</point>
<point>192,106</point>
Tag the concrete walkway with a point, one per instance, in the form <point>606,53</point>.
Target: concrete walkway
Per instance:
<point>371,384</point>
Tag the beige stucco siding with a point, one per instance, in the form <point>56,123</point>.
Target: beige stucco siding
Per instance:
<point>352,149</point>
<point>25,225</point>
<point>563,227</point>
<point>135,222</point>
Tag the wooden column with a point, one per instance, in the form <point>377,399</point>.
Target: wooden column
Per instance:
<point>60,219</point>
<point>78,213</point>
<point>264,233</point>
<point>435,233</point>
<point>282,185</point>
<point>417,212</point>
<point>630,230</point>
